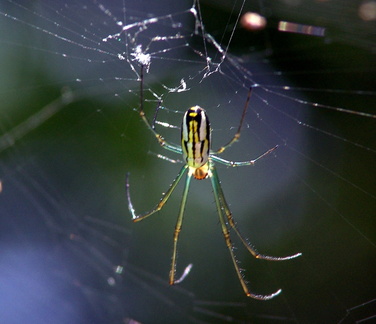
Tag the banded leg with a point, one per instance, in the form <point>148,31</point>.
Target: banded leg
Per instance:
<point>161,203</point>
<point>237,135</point>
<point>178,226</point>
<point>231,222</point>
<point>219,203</point>
<point>162,142</point>
<point>244,163</point>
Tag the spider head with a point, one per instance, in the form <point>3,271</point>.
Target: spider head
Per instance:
<point>201,172</point>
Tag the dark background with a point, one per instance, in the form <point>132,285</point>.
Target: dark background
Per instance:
<point>64,223</point>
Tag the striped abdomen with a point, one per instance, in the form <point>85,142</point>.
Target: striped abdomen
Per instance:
<point>195,137</point>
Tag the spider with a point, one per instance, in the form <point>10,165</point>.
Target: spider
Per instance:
<point>199,164</point>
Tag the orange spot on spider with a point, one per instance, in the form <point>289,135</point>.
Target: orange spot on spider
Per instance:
<point>201,172</point>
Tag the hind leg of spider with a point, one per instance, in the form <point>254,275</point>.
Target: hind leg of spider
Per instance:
<point>162,142</point>
<point>237,135</point>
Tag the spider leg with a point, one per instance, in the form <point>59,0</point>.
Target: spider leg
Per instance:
<point>221,205</point>
<point>161,203</point>
<point>162,142</point>
<point>178,227</point>
<point>232,223</point>
<point>243,163</point>
<point>237,135</point>
<point>156,114</point>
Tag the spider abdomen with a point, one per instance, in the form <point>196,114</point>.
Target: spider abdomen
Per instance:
<point>195,137</point>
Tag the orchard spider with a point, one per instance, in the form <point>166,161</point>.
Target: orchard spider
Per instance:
<point>199,162</point>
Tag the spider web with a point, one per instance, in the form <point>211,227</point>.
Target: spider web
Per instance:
<point>70,132</point>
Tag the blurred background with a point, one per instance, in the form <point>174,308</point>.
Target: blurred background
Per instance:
<point>69,133</point>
